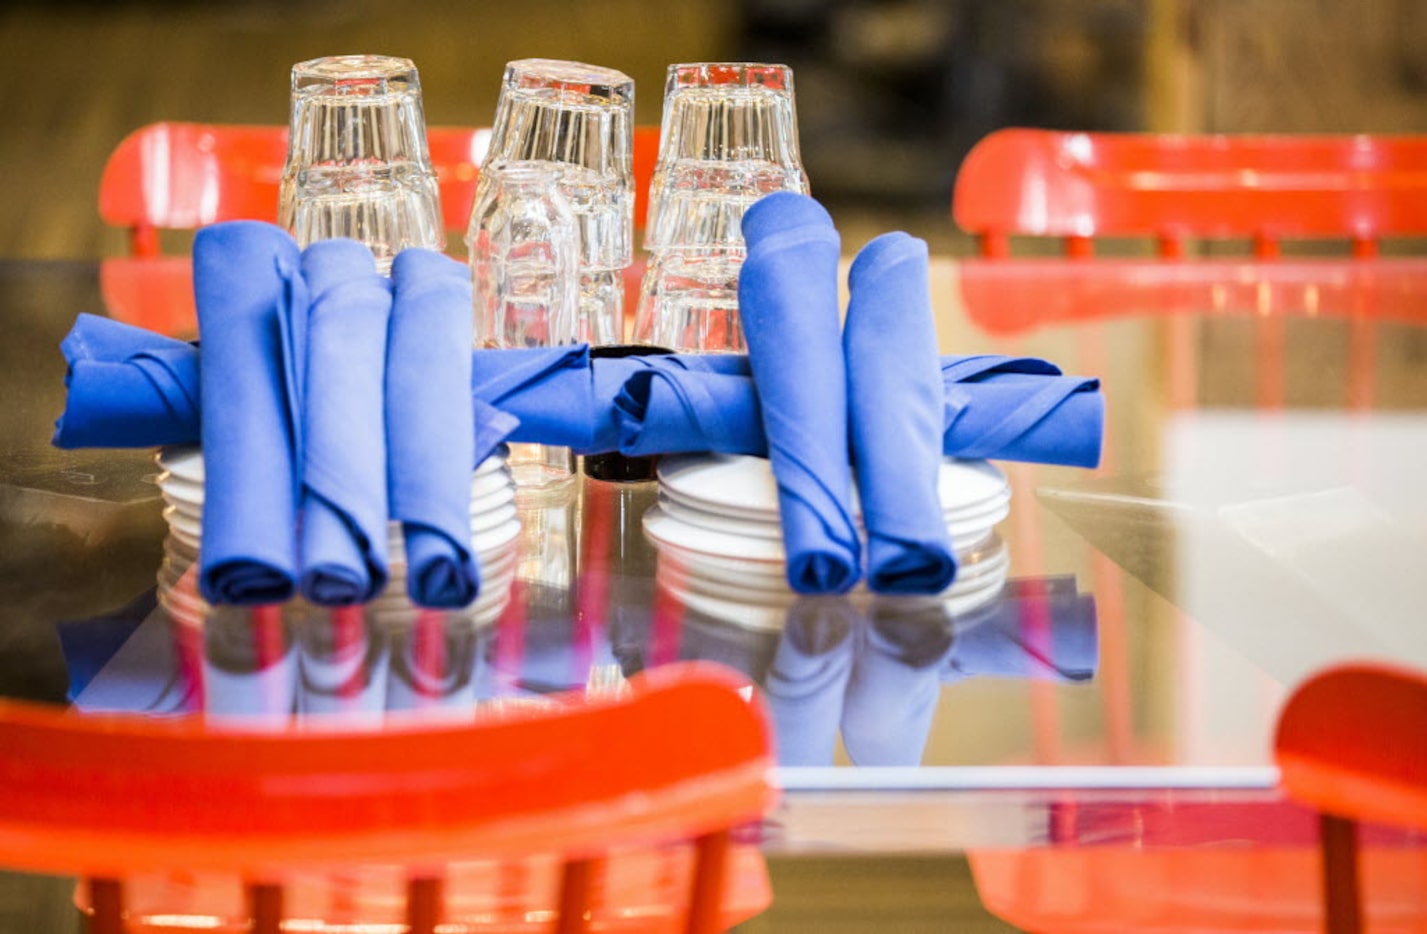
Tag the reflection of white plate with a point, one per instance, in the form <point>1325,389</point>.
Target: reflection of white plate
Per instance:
<point>977,570</point>
<point>743,486</point>
<point>770,614</point>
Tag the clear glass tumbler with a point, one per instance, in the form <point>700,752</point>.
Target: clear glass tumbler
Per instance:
<point>729,136</point>
<point>524,250</point>
<point>357,160</point>
<point>581,117</point>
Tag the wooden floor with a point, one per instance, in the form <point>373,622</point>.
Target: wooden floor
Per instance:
<point>85,74</point>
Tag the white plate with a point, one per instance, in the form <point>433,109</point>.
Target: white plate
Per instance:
<point>184,465</point>
<point>666,530</point>
<point>743,486</point>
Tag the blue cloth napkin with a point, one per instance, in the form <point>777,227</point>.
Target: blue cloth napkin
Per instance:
<point>251,299</point>
<point>132,388</point>
<point>895,407</point>
<point>1001,408</point>
<point>788,304</point>
<point>343,543</point>
<point>127,387</point>
<point>430,425</point>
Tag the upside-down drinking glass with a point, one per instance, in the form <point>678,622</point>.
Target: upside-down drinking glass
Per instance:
<point>524,250</point>
<point>357,161</point>
<point>580,117</point>
<point>729,136</point>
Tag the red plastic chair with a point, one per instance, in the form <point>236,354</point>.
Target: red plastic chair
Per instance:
<point>612,814</point>
<point>1352,743</point>
<point>1078,186</point>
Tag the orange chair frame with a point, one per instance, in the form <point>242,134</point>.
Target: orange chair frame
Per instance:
<point>1270,188</point>
<point>682,757</point>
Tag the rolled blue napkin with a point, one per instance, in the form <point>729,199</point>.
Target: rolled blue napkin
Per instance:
<point>430,425</point>
<point>562,396</point>
<point>343,543</point>
<point>788,305</point>
<point>132,388</point>
<point>249,290</point>
<point>128,387</point>
<point>895,408</point>
<point>1001,408</point>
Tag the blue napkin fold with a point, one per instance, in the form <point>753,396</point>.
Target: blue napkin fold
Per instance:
<point>132,388</point>
<point>996,407</point>
<point>788,305</point>
<point>430,425</point>
<point>249,292</point>
<point>343,543</point>
<point>895,407</point>
<point>127,387</point>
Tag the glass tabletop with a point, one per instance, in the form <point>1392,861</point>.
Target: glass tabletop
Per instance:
<point>1256,517</point>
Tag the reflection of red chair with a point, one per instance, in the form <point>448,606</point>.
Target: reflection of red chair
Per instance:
<point>181,176</point>
<point>1352,743</point>
<point>603,815</point>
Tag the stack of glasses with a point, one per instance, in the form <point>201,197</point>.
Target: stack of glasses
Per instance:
<point>358,164</point>
<point>729,136</point>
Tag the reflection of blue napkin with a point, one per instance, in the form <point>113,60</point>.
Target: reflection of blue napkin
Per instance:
<point>344,505</point>
<point>1039,628</point>
<point>787,299</point>
<point>127,387</point>
<point>430,425</point>
<point>804,685</point>
<point>895,684</point>
<point>672,411</point>
<point>895,406</point>
<point>251,304</point>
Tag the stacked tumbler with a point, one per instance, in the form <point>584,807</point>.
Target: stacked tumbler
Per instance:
<point>729,137</point>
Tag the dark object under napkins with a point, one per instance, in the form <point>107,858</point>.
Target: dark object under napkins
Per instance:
<point>894,401</point>
<point>252,304</point>
<point>788,305</point>
<point>343,543</point>
<point>430,426</point>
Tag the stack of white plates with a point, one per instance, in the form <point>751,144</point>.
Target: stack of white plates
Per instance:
<point>495,534</point>
<point>721,544</point>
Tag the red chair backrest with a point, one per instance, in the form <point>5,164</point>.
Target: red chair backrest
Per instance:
<point>1268,188</point>
<point>181,176</point>
<point>684,754</point>
<point>1352,742</point>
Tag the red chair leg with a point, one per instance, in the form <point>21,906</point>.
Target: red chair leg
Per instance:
<point>576,880</point>
<point>710,868</point>
<point>423,905</point>
<point>106,898</point>
<point>265,908</point>
<point>1342,903</point>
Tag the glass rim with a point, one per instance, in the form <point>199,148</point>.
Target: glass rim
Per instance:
<point>772,76</point>
<point>568,77</point>
<point>355,74</point>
